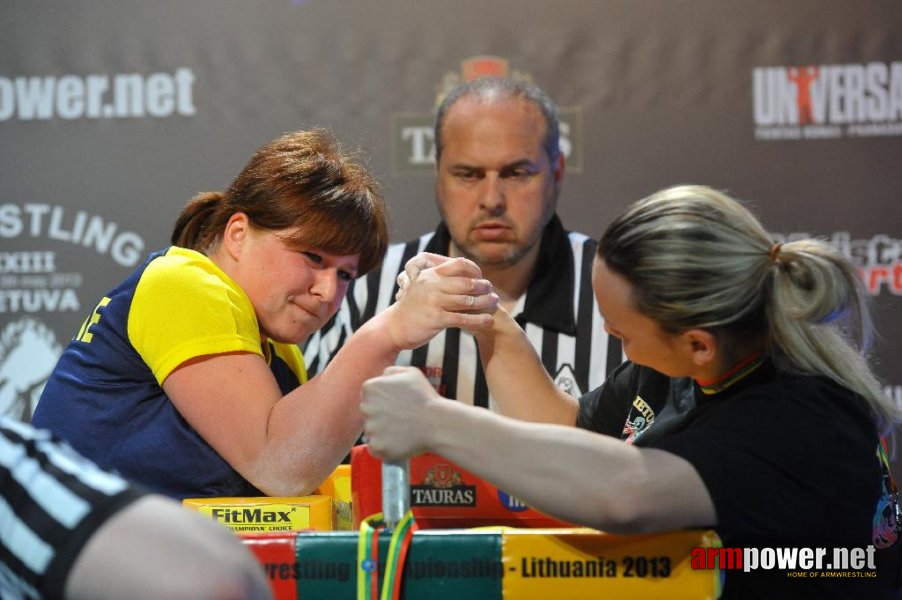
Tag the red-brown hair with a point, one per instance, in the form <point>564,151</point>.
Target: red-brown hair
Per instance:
<point>302,181</point>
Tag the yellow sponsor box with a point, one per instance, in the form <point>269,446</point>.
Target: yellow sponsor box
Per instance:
<point>268,513</point>
<point>577,563</point>
<point>338,487</point>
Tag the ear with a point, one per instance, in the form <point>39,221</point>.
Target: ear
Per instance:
<point>236,234</point>
<point>702,346</point>
<point>559,168</point>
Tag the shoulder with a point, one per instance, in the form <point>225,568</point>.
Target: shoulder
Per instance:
<point>807,440</point>
<point>604,409</point>
<point>180,265</point>
<point>807,413</point>
<point>203,310</point>
<point>184,274</point>
<point>804,391</point>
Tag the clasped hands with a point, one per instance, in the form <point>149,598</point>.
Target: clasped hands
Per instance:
<point>434,292</point>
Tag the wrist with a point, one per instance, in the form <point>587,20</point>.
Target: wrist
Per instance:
<point>444,429</point>
<point>382,332</point>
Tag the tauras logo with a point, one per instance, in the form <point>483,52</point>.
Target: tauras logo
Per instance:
<point>442,486</point>
<point>827,101</point>
<point>459,495</point>
<point>414,136</point>
<point>250,515</point>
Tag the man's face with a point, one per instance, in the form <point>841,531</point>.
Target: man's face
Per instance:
<point>496,187</point>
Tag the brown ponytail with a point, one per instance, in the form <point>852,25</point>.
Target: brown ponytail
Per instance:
<point>192,228</point>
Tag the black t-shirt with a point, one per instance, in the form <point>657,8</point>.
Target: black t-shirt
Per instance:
<point>631,400</point>
<point>788,460</point>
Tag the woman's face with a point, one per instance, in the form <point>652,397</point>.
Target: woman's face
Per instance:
<point>293,291</point>
<point>645,342</point>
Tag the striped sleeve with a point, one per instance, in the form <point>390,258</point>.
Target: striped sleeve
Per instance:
<point>53,501</point>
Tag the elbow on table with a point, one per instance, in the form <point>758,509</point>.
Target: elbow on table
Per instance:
<point>288,486</point>
<point>288,482</point>
<point>628,512</point>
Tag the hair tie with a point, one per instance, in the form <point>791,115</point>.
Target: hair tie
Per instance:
<point>774,250</point>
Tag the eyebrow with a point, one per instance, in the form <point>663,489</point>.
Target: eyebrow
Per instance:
<point>522,162</point>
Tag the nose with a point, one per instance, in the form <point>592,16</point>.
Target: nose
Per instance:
<point>325,285</point>
<point>491,197</point>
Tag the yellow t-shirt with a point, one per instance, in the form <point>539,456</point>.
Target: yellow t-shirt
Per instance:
<point>185,306</point>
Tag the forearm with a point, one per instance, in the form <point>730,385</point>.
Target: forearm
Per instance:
<point>573,474</point>
<point>287,445</point>
<point>313,427</point>
<point>516,377</point>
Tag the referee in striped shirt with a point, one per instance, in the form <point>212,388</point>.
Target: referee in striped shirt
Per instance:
<point>70,530</point>
<point>498,176</point>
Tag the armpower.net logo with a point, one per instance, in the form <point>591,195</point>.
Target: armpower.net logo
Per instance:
<point>796,562</point>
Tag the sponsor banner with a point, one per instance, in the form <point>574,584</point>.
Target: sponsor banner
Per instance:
<point>262,514</point>
<point>97,96</point>
<point>801,562</point>
<point>491,564</point>
<point>581,563</point>
<point>49,254</point>
<point>442,495</point>
<point>276,553</point>
<point>811,102</point>
<point>447,565</point>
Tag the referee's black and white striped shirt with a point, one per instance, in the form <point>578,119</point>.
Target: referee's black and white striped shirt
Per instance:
<point>52,502</point>
<point>558,312</point>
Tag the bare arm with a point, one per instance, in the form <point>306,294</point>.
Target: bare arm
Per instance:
<point>288,445</point>
<point>155,549</point>
<point>516,377</point>
<point>569,473</point>
<point>513,370</point>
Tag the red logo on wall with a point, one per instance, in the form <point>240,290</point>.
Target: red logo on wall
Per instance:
<point>442,476</point>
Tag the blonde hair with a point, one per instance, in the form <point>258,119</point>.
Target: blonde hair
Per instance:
<point>696,258</point>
